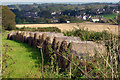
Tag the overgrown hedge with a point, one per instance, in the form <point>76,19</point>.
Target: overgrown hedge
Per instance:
<point>88,35</point>
<point>45,29</point>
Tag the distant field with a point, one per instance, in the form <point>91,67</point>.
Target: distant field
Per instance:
<point>98,27</point>
<point>109,16</point>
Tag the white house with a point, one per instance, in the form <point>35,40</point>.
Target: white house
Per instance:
<point>68,21</point>
<point>117,11</point>
<point>84,17</point>
<point>53,13</point>
<point>95,19</point>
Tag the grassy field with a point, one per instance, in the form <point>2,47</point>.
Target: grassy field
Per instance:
<point>22,61</point>
<point>109,16</point>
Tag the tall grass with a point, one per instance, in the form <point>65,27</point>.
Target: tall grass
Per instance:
<point>88,35</point>
<point>105,65</point>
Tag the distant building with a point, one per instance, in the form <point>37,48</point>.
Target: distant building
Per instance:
<point>84,17</point>
<point>54,20</point>
<point>89,17</point>
<point>31,14</point>
<point>95,19</point>
<point>53,13</point>
<point>79,17</point>
<point>68,21</point>
<point>117,11</point>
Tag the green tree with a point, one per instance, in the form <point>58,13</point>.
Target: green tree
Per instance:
<point>8,19</point>
<point>63,18</point>
<point>45,14</point>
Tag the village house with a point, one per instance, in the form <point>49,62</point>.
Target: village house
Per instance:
<point>84,17</point>
<point>79,17</point>
<point>94,19</point>
<point>68,21</point>
<point>53,13</point>
<point>31,14</point>
<point>54,20</point>
<point>117,12</point>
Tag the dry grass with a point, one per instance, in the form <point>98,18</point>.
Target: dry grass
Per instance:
<point>98,27</point>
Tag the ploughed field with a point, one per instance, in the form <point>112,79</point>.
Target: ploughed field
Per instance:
<point>98,27</point>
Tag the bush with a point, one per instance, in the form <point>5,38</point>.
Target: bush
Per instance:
<point>88,35</point>
<point>45,29</point>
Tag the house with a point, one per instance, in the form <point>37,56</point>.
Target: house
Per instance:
<point>84,17</point>
<point>31,14</point>
<point>94,19</point>
<point>53,13</point>
<point>68,21</point>
<point>79,17</point>
<point>118,12</point>
<point>54,20</point>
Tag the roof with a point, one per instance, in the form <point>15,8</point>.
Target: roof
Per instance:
<point>94,18</point>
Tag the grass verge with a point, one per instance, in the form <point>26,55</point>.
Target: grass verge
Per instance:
<point>20,60</point>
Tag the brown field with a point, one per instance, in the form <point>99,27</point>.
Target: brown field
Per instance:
<point>98,27</point>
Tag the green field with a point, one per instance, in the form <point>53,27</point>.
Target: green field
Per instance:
<point>23,61</point>
<point>109,16</point>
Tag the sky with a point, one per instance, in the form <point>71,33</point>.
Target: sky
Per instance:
<point>60,1</point>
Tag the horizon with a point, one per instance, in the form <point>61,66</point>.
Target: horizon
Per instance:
<point>15,3</point>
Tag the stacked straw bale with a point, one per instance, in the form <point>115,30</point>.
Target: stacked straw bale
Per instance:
<point>59,43</point>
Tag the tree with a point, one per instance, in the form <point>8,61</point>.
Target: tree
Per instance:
<point>8,19</point>
<point>45,14</point>
<point>63,18</point>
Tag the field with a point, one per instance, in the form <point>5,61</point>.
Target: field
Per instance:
<point>109,16</point>
<point>98,27</point>
<point>22,61</point>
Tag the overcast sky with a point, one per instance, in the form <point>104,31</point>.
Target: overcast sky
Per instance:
<point>60,0</point>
